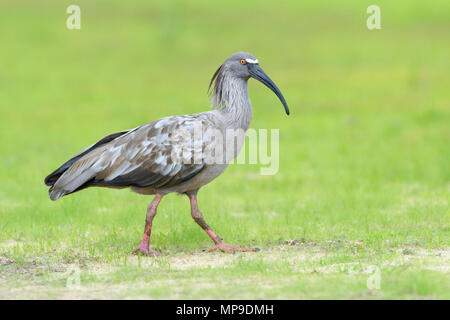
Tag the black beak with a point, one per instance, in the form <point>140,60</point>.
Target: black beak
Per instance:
<point>256,72</point>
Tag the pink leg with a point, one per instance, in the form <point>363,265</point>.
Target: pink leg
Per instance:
<point>144,247</point>
<point>220,244</point>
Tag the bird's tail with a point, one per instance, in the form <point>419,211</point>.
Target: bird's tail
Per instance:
<point>55,194</point>
<point>62,182</point>
<point>72,176</point>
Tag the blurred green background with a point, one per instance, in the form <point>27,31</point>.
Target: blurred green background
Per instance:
<point>364,155</point>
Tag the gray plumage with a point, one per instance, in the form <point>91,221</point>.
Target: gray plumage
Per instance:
<point>142,158</point>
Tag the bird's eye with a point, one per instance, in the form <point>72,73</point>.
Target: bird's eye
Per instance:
<point>243,61</point>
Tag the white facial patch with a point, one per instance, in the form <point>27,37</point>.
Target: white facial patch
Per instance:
<point>252,61</point>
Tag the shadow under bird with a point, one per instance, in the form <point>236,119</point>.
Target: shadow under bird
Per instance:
<point>143,158</point>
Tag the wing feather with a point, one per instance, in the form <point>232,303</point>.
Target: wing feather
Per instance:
<point>142,158</point>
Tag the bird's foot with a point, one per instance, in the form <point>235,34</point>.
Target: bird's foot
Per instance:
<point>229,248</point>
<point>142,249</point>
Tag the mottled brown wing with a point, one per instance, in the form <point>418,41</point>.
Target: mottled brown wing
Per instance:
<point>143,157</point>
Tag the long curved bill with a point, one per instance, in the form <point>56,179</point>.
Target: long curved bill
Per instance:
<point>258,73</point>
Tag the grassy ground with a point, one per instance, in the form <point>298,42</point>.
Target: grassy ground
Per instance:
<point>363,187</point>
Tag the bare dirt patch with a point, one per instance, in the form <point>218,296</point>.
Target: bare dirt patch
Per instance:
<point>46,276</point>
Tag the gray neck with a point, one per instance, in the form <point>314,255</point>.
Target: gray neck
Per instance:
<point>230,98</point>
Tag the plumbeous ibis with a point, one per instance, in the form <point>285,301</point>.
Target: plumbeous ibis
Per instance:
<point>156,158</point>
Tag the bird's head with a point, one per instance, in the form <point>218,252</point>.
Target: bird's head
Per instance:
<point>245,65</point>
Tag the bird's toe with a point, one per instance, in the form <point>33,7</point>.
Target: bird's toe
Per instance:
<point>146,251</point>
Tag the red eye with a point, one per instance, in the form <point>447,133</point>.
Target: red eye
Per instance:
<point>243,61</point>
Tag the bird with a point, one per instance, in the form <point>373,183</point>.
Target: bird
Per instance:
<point>157,159</point>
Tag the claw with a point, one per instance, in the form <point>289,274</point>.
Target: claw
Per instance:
<point>146,251</point>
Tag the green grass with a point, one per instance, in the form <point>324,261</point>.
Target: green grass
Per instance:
<point>364,157</point>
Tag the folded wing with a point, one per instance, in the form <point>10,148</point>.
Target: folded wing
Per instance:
<point>157,155</point>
